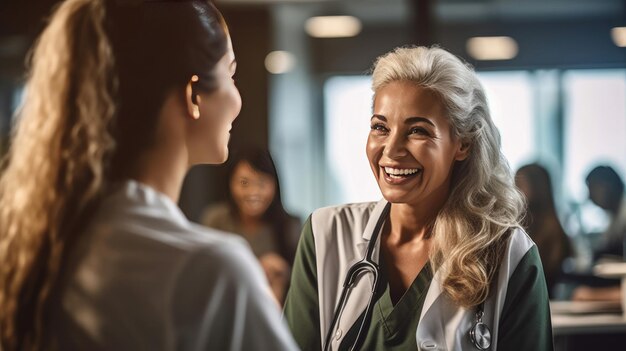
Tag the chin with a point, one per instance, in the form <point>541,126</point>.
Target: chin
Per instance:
<point>219,156</point>
<point>395,197</point>
<point>224,157</point>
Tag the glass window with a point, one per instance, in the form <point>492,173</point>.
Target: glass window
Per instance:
<point>595,124</point>
<point>594,133</point>
<point>348,108</point>
<point>510,99</point>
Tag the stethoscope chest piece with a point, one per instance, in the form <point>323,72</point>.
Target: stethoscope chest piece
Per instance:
<point>480,335</point>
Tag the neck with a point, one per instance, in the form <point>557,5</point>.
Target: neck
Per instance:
<point>250,223</point>
<point>163,169</point>
<point>408,224</point>
<point>164,164</point>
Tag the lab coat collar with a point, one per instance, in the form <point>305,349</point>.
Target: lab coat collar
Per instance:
<point>371,223</point>
<point>150,200</point>
<point>369,230</point>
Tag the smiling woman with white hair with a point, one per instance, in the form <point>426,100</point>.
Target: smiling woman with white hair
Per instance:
<point>441,262</point>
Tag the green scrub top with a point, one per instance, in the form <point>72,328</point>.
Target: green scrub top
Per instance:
<point>524,323</point>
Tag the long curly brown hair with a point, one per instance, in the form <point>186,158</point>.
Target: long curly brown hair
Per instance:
<point>82,122</point>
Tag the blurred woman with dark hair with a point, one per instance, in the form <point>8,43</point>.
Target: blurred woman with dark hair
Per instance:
<point>542,222</point>
<point>254,210</point>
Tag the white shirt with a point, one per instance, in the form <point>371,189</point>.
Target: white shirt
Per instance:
<point>142,277</point>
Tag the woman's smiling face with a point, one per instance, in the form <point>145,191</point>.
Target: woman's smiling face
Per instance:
<point>411,147</point>
<point>253,191</point>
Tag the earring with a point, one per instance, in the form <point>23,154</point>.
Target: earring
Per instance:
<point>196,111</point>
<point>194,98</point>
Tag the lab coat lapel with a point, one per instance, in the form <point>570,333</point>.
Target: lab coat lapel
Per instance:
<point>371,223</point>
<point>441,320</point>
<point>360,294</point>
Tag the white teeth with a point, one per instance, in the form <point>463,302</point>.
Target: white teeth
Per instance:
<point>401,171</point>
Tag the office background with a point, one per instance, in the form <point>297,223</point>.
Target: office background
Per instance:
<point>557,91</point>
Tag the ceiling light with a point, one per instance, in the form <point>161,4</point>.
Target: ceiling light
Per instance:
<point>278,62</point>
<point>492,48</point>
<point>619,36</point>
<point>333,26</point>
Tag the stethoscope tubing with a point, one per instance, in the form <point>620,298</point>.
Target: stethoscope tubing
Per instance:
<point>365,265</point>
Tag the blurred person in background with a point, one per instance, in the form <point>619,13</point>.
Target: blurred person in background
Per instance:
<point>123,97</point>
<point>542,222</point>
<point>255,211</point>
<point>606,190</point>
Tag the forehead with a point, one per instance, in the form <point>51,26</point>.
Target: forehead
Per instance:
<point>245,169</point>
<point>407,99</point>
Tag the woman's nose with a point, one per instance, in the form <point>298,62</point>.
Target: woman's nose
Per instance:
<point>255,187</point>
<point>395,146</point>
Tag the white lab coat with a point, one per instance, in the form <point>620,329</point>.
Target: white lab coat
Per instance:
<point>142,277</point>
<point>342,234</point>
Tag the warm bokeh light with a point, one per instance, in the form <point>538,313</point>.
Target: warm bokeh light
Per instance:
<point>333,26</point>
<point>492,48</point>
<point>278,62</point>
<point>618,34</point>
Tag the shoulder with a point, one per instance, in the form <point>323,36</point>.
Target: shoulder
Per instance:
<point>219,208</point>
<point>519,241</point>
<point>203,238</point>
<point>215,214</point>
<point>518,245</point>
<point>347,214</point>
<point>338,231</point>
<point>222,291</point>
<point>218,260</point>
<point>140,230</point>
<point>345,209</point>
<point>521,257</point>
<point>214,248</point>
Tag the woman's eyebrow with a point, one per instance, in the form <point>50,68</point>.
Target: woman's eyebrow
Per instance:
<point>409,120</point>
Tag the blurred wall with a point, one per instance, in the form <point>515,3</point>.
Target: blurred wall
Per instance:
<point>551,34</point>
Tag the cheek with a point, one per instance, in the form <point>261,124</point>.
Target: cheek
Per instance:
<point>238,100</point>
<point>224,103</point>
<point>232,100</point>
<point>370,152</point>
<point>237,192</point>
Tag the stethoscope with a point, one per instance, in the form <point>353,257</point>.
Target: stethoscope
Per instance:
<point>479,333</point>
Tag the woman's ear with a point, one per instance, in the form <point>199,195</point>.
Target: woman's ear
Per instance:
<point>463,151</point>
<point>192,100</point>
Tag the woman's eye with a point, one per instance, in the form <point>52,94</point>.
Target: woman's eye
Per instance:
<point>379,128</point>
<point>419,131</point>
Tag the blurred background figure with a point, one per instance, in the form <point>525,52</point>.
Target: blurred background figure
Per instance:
<point>606,189</point>
<point>542,222</point>
<point>254,210</point>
